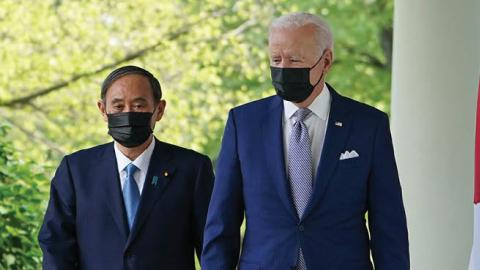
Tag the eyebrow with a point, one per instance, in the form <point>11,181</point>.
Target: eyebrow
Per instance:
<point>140,99</point>
<point>116,100</point>
<point>296,56</point>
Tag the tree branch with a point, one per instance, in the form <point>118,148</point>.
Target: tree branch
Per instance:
<point>44,114</point>
<point>34,136</point>
<point>42,92</point>
<point>38,93</point>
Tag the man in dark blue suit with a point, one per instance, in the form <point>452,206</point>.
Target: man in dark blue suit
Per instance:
<point>305,168</point>
<point>136,203</point>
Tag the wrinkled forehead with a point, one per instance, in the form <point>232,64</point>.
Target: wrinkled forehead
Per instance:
<point>296,40</point>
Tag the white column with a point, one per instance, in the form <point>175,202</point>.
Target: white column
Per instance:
<point>436,66</point>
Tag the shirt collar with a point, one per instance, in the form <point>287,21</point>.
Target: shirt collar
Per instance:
<point>320,105</point>
<point>141,162</point>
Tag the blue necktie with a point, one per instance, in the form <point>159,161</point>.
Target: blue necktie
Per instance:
<point>300,169</point>
<point>131,194</point>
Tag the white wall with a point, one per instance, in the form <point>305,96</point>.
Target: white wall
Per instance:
<point>436,66</point>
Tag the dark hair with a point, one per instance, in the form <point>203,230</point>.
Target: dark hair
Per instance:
<point>126,70</point>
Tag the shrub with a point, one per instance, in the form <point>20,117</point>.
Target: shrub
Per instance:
<point>23,191</point>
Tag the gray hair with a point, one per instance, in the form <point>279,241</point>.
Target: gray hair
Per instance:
<point>323,34</point>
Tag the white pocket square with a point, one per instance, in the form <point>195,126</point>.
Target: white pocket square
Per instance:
<point>349,154</point>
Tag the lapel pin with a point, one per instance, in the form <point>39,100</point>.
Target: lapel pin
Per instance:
<point>338,124</point>
<point>154,181</point>
<point>165,174</point>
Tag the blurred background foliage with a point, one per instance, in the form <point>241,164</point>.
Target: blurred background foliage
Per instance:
<point>209,56</point>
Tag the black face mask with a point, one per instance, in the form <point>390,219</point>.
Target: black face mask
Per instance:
<point>293,84</point>
<point>130,129</point>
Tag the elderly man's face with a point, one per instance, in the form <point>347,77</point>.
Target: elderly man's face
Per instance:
<point>297,47</point>
<point>131,93</point>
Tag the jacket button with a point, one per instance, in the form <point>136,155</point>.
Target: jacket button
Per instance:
<point>301,228</point>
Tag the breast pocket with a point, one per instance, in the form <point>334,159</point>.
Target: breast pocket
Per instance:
<point>351,162</point>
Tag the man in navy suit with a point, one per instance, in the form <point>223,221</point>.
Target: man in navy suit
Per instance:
<point>305,168</point>
<point>136,203</point>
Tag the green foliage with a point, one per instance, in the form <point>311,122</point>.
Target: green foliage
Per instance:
<point>209,56</point>
<point>22,193</point>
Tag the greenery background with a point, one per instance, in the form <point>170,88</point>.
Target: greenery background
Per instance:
<point>208,55</point>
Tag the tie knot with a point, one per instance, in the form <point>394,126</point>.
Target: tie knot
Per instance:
<point>130,169</point>
<point>301,114</point>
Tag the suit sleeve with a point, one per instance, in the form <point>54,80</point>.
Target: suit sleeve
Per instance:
<point>221,245</point>
<point>57,235</point>
<point>386,213</point>
<point>202,194</point>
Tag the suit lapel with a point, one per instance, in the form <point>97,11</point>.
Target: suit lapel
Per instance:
<point>160,173</point>
<point>335,139</point>
<point>272,140</point>
<point>109,179</point>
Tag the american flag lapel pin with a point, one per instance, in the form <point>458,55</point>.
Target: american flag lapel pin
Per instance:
<point>338,124</point>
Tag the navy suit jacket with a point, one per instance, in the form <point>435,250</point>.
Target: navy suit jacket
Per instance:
<point>85,226</point>
<point>251,180</point>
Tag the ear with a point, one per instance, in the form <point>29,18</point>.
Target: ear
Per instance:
<point>102,109</point>
<point>160,110</point>
<point>328,59</point>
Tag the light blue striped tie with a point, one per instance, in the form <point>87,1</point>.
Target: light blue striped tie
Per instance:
<point>131,194</point>
<point>300,169</point>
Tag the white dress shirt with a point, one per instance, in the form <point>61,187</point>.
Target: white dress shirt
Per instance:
<point>141,162</point>
<point>316,124</point>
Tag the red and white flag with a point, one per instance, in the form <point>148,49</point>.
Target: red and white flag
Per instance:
<point>475,256</point>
